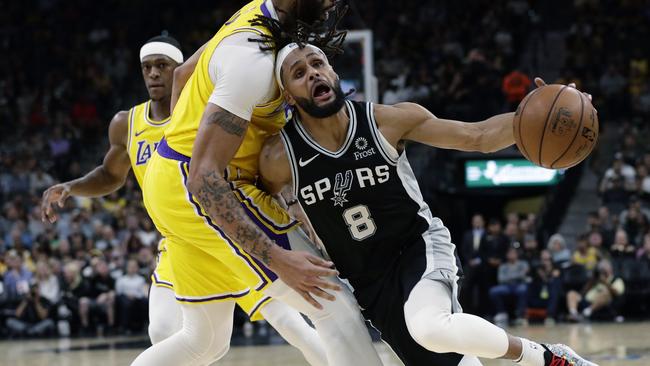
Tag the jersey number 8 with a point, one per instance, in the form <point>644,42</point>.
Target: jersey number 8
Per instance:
<point>359,221</point>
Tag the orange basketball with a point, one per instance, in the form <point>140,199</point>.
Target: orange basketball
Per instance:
<point>556,126</point>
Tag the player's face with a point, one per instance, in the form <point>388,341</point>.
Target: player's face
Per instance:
<point>158,74</point>
<point>311,83</point>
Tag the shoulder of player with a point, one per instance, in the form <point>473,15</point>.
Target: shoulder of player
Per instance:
<point>400,112</point>
<point>394,121</point>
<point>118,130</point>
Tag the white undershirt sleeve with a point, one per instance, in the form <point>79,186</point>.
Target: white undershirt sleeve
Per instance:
<point>242,75</point>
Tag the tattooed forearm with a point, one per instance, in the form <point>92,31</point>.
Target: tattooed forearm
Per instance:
<point>216,197</point>
<point>229,122</point>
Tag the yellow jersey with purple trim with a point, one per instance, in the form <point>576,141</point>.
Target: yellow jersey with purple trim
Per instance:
<point>267,118</point>
<point>206,264</point>
<point>144,136</point>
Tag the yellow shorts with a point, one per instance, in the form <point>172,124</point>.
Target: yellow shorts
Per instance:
<point>162,276</point>
<point>206,265</point>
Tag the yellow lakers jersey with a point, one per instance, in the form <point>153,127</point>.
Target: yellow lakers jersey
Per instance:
<point>267,119</point>
<point>144,136</point>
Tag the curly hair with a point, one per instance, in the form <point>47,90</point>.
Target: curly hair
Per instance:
<point>320,34</point>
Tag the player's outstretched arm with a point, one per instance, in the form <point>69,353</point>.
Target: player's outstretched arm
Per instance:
<point>181,74</point>
<point>219,136</point>
<point>410,121</point>
<point>102,180</point>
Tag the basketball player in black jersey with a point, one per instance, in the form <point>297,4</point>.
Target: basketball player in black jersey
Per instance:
<point>345,163</point>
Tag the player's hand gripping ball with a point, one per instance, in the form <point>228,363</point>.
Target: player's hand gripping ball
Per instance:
<point>555,126</point>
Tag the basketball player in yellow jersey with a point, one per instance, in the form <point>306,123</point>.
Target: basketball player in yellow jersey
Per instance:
<point>134,136</point>
<point>224,235</point>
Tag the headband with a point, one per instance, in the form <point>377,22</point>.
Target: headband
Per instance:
<point>161,48</point>
<point>282,54</point>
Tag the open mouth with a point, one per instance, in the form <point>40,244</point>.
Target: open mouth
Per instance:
<point>321,91</point>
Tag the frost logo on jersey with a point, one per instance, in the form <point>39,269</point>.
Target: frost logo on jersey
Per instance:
<point>362,144</point>
<point>341,187</point>
<point>144,152</point>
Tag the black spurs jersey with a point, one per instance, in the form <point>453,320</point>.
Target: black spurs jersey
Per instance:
<point>364,201</point>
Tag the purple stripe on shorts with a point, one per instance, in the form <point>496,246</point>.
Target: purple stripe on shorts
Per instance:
<point>220,297</point>
<point>261,215</point>
<point>264,301</point>
<point>157,280</point>
<point>167,152</point>
<point>272,276</point>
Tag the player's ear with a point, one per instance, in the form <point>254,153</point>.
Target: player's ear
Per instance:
<point>288,98</point>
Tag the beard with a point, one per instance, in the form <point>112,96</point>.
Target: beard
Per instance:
<point>326,110</point>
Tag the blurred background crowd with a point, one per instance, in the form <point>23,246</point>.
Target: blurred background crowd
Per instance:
<point>70,65</point>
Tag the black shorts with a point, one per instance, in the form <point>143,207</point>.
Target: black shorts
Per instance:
<point>386,312</point>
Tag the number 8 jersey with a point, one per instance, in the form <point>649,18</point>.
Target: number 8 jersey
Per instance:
<point>365,203</point>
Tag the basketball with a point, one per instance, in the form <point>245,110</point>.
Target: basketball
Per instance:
<point>556,126</point>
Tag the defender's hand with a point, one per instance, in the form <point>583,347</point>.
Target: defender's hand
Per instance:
<point>303,272</point>
<point>57,193</point>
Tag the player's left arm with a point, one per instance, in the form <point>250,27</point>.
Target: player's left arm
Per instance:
<point>182,74</point>
<point>410,121</point>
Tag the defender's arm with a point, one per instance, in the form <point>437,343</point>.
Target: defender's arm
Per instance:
<point>181,74</point>
<point>221,131</point>
<point>102,180</point>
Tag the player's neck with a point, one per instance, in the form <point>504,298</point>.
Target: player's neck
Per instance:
<point>330,132</point>
<point>159,109</point>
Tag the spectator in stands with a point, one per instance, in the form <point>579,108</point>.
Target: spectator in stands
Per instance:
<point>131,290</point>
<point>606,224</point>
<point>600,294</point>
<point>612,85</point>
<point>644,252</point>
<point>48,283</point>
<point>643,183</point>
<point>530,252</point>
<point>584,254</point>
<point>470,254</point>
<point>619,169</point>
<point>546,288</point>
<point>515,87</point>
<point>147,232</point>
<point>512,233</point>
<point>101,295</point>
<point>492,253</point>
<point>615,197</point>
<point>512,282</point>
<point>622,246</point>
<point>108,239</point>
<point>32,316</point>
<point>75,292</point>
<point>16,278</point>
<point>559,252</point>
<point>634,221</point>
<point>593,222</point>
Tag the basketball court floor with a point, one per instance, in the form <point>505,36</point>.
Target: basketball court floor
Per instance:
<point>605,344</point>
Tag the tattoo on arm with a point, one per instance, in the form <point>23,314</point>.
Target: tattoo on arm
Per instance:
<point>229,122</point>
<point>217,198</point>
